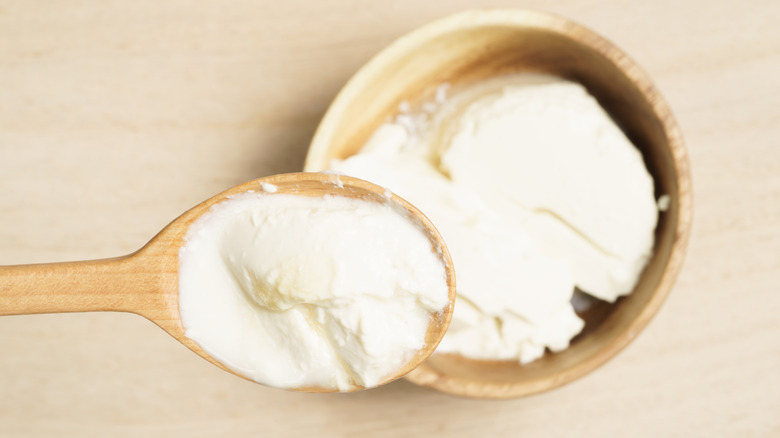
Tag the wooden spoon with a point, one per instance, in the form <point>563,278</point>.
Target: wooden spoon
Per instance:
<point>146,282</point>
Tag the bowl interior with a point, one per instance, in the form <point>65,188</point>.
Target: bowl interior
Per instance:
<point>469,47</point>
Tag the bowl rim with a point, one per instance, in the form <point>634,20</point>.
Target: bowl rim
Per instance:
<point>529,19</point>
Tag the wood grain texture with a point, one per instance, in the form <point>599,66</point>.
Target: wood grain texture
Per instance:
<point>476,45</point>
<point>146,282</point>
<point>117,116</point>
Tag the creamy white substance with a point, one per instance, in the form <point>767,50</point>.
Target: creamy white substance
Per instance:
<point>536,191</point>
<point>295,291</point>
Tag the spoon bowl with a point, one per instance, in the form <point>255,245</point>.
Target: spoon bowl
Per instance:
<point>146,282</point>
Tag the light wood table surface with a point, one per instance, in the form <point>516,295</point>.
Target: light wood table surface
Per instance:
<point>116,116</point>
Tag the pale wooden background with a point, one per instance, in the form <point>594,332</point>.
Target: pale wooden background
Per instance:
<point>116,116</point>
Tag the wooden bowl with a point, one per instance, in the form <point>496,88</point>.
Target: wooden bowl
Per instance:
<point>475,45</point>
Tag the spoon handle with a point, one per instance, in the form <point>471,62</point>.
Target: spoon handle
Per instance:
<point>121,284</point>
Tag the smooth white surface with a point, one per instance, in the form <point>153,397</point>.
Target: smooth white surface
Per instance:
<point>544,154</point>
<point>296,291</point>
<point>535,190</point>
